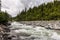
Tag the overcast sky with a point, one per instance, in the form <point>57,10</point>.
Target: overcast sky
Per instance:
<point>13,7</point>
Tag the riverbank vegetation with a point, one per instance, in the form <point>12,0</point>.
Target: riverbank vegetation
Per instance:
<point>49,11</point>
<point>4,17</point>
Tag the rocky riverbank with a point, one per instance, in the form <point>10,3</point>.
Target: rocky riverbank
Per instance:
<point>47,24</point>
<point>4,31</point>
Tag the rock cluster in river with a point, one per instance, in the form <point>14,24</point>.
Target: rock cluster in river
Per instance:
<point>47,24</point>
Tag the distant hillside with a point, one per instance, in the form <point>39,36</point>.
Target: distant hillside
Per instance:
<point>50,11</point>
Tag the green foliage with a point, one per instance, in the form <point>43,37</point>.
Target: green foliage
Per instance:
<point>50,11</point>
<point>4,17</point>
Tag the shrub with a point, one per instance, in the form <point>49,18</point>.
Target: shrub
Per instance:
<point>4,17</point>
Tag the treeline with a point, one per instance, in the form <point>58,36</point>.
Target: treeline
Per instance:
<point>49,11</point>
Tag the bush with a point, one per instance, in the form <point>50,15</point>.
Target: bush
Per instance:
<point>4,17</point>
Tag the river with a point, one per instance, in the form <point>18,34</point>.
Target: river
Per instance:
<point>30,32</point>
<point>23,31</point>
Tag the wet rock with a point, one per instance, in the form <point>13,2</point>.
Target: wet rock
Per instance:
<point>4,30</point>
<point>55,25</point>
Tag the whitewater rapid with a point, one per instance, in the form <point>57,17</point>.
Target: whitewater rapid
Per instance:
<point>29,32</point>
<point>13,7</point>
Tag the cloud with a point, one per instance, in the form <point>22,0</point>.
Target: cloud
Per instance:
<point>13,7</point>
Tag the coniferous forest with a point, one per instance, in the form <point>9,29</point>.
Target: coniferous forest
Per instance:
<point>49,11</point>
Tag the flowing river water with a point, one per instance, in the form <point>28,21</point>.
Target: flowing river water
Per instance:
<point>30,32</point>
<point>23,31</point>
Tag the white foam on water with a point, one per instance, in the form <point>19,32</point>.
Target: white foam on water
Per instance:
<point>37,32</point>
<point>55,36</point>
